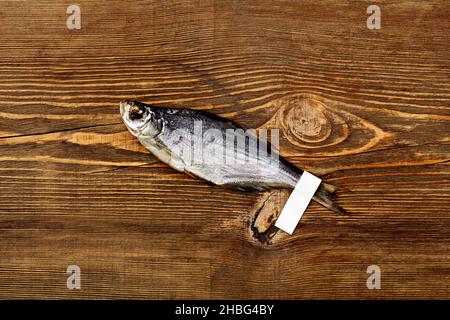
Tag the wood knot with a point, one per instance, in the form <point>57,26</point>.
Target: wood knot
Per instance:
<point>265,213</point>
<point>306,119</point>
<point>310,123</point>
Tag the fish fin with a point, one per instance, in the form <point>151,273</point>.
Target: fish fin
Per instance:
<point>190,174</point>
<point>245,188</point>
<point>195,177</point>
<point>328,187</point>
<point>326,196</point>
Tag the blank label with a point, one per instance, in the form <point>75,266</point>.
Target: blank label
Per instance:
<point>298,202</point>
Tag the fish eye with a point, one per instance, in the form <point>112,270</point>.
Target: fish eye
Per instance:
<point>136,112</point>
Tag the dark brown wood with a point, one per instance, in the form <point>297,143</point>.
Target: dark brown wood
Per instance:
<point>367,110</point>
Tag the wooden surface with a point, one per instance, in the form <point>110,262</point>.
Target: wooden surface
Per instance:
<point>367,110</point>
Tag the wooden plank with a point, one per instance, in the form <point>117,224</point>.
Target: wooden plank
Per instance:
<point>367,110</point>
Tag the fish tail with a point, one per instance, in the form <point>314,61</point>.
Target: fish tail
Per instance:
<point>326,196</point>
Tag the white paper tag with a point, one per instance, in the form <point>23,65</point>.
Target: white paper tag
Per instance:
<point>298,202</point>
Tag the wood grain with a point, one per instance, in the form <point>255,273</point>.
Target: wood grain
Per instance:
<point>367,110</point>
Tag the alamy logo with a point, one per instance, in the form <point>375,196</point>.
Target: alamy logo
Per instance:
<point>74,279</point>
<point>229,146</point>
<point>374,279</point>
<point>74,20</point>
<point>374,20</point>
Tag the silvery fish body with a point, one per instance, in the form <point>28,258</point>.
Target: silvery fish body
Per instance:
<point>215,149</point>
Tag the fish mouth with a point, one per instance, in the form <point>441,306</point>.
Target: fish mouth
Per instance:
<point>134,115</point>
<point>124,105</point>
<point>133,110</point>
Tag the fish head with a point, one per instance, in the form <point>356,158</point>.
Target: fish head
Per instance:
<point>139,118</point>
